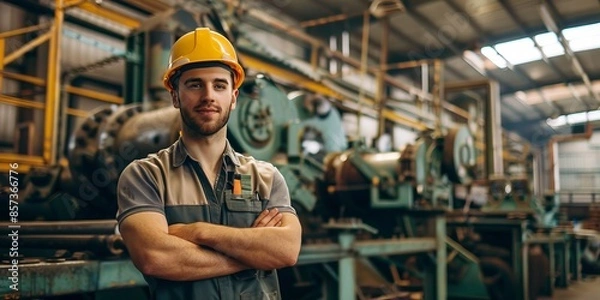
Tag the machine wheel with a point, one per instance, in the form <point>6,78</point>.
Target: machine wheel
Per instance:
<point>498,278</point>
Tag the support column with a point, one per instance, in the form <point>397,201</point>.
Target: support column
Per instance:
<point>53,88</point>
<point>347,278</point>
<point>440,257</point>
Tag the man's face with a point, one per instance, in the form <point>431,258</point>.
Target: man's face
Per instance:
<point>205,97</point>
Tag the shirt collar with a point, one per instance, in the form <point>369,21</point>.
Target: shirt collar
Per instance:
<point>180,153</point>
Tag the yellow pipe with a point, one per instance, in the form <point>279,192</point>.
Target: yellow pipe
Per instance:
<point>78,112</point>
<point>155,6</point>
<point>71,3</point>
<point>26,48</point>
<point>25,162</point>
<point>38,105</point>
<point>69,88</point>
<point>300,80</point>
<point>94,95</point>
<point>26,78</point>
<point>109,14</point>
<point>21,102</point>
<point>53,88</point>
<point>2,42</point>
<point>309,84</point>
<point>24,30</point>
<point>403,120</point>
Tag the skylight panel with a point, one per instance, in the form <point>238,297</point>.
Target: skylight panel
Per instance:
<point>592,42</point>
<point>577,118</point>
<point>519,51</point>
<point>594,115</point>
<point>493,56</point>
<point>573,119</point>
<point>557,122</point>
<point>583,37</point>
<point>549,44</point>
<point>545,39</point>
<point>581,32</point>
<point>553,50</point>
<point>524,50</point>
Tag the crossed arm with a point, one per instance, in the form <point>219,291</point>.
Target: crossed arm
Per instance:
<point>202,250</point>
<point>260,247</point>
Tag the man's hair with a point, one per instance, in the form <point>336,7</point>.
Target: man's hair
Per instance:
<point>177,75</point>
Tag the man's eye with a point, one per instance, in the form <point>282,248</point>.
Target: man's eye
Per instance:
<point>194,86</point>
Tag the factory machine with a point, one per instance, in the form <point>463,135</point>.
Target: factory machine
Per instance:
<point>362,211</point>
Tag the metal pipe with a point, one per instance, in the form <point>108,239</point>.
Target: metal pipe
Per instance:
<point>493,132</point>
<point>20,31</point>
<point>380,92</point>
<point>363,65</point>
<point>26,48</point>
<point>105,227</point>
<point>295,33</point>
<point>438,92</point>
<point>2,46</point>
<point>101,244</point>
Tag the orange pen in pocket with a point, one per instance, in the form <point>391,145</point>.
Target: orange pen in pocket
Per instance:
<point>237,185</point>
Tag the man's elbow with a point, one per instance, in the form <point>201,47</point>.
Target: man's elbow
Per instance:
<point>150,264</point>
<point>290,260</point>
<point>290,257</point>
<point>286,260</point>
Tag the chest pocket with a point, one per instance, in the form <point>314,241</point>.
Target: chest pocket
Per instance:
<point>243,210</point>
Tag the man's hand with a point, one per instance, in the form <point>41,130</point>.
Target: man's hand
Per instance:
<point>268,218</point>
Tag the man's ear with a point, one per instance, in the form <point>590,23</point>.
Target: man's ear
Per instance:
<point>234,96</point>
<point>175,99</point>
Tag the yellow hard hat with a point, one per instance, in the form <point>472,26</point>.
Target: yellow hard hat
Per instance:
<point>199,46</point>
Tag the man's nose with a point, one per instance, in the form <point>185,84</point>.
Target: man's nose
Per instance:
<point>208,94</point>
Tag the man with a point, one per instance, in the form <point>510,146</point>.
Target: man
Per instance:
<point>199,220</point>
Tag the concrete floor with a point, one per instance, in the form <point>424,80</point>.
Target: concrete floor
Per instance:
<point>586,289</point>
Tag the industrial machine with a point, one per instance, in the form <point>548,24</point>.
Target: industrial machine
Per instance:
<point>329,183</point>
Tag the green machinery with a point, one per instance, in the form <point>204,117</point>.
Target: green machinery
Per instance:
<point>351,200</point>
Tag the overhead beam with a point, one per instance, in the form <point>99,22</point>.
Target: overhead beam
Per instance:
<point>549,14</point>
<point>433,30</point>
<point>136,7</point>
<point>517,70</point>
<point>518,126</point>
<point>566,81</point>
<point>111,15</point>
<point>39,9</point>
<point>492,39</point>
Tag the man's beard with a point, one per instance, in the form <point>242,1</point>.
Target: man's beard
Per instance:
<point>198,128</point>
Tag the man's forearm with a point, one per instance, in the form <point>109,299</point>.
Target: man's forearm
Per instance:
<point>180,260</point>
<point>261,248</point>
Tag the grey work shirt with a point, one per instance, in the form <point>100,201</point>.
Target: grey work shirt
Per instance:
<point>172,183</point>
